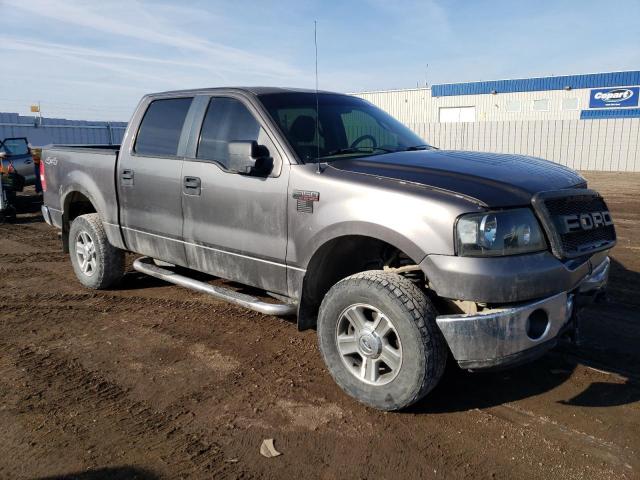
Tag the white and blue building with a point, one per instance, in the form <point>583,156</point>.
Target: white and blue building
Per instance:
<point>587,122</point>
<point>568,97</point>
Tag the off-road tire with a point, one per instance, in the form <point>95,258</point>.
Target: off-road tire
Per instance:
<point>109,264</point>
<point>424,351</point>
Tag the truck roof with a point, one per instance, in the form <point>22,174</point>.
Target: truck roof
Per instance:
<point>251,90</point>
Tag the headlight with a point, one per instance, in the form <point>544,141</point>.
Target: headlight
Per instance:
<point>506,232</point>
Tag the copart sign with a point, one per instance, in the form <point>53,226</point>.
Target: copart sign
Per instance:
<point>614,97</point>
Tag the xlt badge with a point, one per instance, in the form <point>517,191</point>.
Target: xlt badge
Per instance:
<point>305,199</point>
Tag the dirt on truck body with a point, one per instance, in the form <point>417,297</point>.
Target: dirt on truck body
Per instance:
<point>154,381</point>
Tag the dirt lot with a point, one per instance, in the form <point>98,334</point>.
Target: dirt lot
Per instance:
<point>153,381</point>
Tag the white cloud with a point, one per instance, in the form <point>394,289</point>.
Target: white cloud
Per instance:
<point>101,48</point>
<point>151,28</point>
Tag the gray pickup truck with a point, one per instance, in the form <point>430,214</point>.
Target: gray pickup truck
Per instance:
<point>399,254</point>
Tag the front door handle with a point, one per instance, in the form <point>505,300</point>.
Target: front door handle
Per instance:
<point>191,186</point>
<point>126,177</point>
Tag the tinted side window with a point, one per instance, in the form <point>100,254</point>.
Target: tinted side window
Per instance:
<point>161,127</point>
<point>227,120</point>
<point>15,146</point>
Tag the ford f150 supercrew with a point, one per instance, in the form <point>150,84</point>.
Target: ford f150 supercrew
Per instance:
<point>399,254</point>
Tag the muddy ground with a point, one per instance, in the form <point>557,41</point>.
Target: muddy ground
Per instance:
<point>154,381</point>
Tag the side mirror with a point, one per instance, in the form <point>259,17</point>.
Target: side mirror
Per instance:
<point>250,158</point>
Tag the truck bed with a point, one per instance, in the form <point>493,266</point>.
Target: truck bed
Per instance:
<point>88,169</point>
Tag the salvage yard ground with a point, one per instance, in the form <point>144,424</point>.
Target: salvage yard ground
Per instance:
<point>154,381</point>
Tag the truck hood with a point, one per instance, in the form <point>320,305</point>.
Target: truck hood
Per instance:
<point>494,179</point>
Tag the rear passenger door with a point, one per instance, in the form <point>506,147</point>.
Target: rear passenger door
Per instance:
<point>235,225</point>
<point>149,181</point>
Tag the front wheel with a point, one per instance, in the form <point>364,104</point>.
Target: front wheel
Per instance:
<point>378,336</point>
<point>97,263</point>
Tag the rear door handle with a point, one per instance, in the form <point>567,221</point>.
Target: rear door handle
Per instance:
<point>191,186</point>
<point>126,177</point>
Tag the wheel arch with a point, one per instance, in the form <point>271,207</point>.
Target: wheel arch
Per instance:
<point>75,202</point>
<point>338,258</point>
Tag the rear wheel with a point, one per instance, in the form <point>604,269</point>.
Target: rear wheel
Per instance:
<point>96,262</point>
<point>378,337</point>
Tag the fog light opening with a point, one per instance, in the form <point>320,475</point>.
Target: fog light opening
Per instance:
<point>537,324</point>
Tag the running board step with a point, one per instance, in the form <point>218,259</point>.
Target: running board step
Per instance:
<point>147,266</point>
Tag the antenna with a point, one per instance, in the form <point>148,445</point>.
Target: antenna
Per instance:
<point>315,41</point>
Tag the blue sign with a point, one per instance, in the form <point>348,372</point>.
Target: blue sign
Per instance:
<point>614,97</point>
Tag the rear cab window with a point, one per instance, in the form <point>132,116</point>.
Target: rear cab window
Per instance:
<point>161,127</point>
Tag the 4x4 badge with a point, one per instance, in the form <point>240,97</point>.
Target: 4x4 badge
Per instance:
<point>305,199</point>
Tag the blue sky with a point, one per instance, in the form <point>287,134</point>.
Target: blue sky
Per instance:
<point>94,59</point>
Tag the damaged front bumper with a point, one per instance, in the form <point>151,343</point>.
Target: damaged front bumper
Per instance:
<point>515,334</point>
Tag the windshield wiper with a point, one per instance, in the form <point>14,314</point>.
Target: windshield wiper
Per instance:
<point>342,151</point>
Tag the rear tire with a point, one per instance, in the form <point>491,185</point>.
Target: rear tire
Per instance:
<point>379,339</point>
<point>97,263</point>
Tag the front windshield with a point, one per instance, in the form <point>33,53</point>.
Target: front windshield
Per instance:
<point>347,127</point>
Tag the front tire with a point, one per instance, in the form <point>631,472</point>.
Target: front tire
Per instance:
<point>97,264</point>
<point>379,339</point>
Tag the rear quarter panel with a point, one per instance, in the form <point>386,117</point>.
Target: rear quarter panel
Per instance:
<point>87,171</point>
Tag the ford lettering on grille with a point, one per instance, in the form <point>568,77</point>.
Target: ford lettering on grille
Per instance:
<point>576,221</point>
<point>585,221</point>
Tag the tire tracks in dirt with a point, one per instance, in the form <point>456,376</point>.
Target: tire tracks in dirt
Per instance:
<point>605,451</point>
<point>34,234</point>
<point>94,398</point>
<point>35,257</point>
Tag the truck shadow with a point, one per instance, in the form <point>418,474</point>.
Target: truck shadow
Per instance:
<point>461,390</point>
<point>610,335</point>
<point>107,473</point>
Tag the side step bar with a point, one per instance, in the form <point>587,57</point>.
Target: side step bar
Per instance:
<point>147,266</point>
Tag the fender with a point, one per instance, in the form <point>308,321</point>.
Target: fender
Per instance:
<point>296,277</point>
<point>84,184</point>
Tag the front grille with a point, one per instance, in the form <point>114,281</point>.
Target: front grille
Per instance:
<point>574,204</point>
<point>571,228</point>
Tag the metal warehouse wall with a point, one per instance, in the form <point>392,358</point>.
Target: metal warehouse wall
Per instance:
<point>59,130</point>
<point>418,105</point>
<point>606,145</point>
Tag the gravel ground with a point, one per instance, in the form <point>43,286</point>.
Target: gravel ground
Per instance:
<point>154,381</point>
